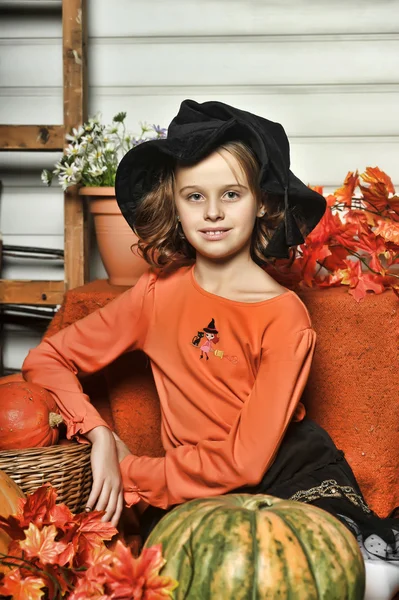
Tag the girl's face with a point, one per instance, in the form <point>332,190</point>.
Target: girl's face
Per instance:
<point>216,207</point>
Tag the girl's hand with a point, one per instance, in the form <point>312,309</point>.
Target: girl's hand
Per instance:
<point>107,491</point>
<point>123,451</point>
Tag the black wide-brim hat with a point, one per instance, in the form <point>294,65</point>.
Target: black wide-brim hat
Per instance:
<point>194,133</point>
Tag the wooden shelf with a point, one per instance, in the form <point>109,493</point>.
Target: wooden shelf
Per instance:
<point>32,137</point>
<point>52,138</point>
<point>21,291</point>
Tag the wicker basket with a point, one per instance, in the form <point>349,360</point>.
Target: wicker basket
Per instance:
<point>67,467</point>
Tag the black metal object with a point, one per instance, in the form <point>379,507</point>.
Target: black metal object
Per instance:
<point>32,252</point>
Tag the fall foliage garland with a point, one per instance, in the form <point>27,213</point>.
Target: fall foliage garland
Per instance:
<point>55,554</point>
<point>356,243</point>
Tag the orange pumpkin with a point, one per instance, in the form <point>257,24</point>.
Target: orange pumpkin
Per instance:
<point>28,416</point>
<point>9,495</point>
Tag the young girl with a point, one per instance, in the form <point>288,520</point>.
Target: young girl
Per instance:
<point>210,205</point>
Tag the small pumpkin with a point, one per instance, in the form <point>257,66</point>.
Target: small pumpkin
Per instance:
<point>256,546</point>
<point>9,496</point>
<point>28,418</point>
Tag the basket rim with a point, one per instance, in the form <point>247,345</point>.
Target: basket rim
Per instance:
<point>73,448</point>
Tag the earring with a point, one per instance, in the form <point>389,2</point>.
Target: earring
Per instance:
<point>178,218</point>
<point>262,214</point>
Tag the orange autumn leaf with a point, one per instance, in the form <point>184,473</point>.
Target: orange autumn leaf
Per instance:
<point>335,260</point>
<point>376,198</point>
<point>358,281</point>
<point>34,509</point>
<point>89,589</point>
<point>60,516</point>
<point>310,257</point>
<point>375,246</point>
<point>26,588</point>
<point>316,188</point>
<point>138,578</point>
<point>91,585</point>
<point>374,175</point>
<point>344,194</point>
<point>388,230</point>
<point>90,532</point>
<point>41,544</point>
<point>90,524</point>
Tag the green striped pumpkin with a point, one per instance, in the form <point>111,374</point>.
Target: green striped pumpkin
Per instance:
<point>250,547</point>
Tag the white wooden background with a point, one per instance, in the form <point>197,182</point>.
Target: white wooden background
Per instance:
<point>327,70</point>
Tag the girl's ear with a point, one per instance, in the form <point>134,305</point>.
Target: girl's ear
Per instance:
<point>261,212</point>
<point>262,205</point>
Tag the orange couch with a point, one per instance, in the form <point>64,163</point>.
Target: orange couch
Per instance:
<point>352,390</point>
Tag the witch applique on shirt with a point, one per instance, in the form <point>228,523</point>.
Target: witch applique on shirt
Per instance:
<point>206,339</point>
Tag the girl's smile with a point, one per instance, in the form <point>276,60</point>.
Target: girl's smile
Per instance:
<point>213,235</point>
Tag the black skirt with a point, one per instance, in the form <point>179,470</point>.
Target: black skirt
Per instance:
<point>308,467</point>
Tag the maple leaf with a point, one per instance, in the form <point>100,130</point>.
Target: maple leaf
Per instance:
<point>374,175</point>
<point>358,281</point>
<point>316,188</point>
<point>99,555</point>
<point>91,583</point>
<point>60,516</point>
<point>138,578</point>
<point>89,591</point>
<point>309,259</point>
<point>388,230</point>
<point>375,246</point>
<point>12,527</point>
<point>35,508</point>
<point>90,532</point>
<point>336,257</point>
<point>26,588</point>
<point>345,193</point>
<point>41,544</point>
<point>376,196</point>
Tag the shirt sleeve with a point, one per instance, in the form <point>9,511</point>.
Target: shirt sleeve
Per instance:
<point>217,467</point>
<point>87,346</point>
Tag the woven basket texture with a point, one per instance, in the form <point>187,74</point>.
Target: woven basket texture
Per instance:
<point>66,467</point>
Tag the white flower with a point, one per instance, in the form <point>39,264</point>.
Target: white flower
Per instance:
<point>112,130</point>
<point>71,173</point>
<point>109,148</point>
<point>47,177</point>
<point>145,128</point>
<point>96,155</point>
<point>96,170</point>
<point>72,150</point>
<point>94,149</point>
<point>76,134</point>
<point>88,139</point>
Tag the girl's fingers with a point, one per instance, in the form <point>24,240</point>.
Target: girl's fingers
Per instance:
<point>94,494</point>
<point>118,512</point>
<point>111,506</point>
<point>103,500</point>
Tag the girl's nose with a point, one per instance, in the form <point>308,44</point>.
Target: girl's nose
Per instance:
<point>213,211</point>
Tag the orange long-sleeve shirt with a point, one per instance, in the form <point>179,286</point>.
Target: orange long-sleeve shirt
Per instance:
<point>229,376</point>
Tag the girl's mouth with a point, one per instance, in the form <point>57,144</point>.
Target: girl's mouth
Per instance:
<point>215,234</point>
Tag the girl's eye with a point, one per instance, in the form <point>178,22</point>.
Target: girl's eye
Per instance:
<point>232,195</point>
<point>195,197</point>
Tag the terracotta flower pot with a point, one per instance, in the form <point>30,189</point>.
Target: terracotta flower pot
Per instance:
<point>114,237</point>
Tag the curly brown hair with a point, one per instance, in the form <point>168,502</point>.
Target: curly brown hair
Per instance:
<point>161,241</point>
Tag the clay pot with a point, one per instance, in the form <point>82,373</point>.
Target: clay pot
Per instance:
<point>114,237</point>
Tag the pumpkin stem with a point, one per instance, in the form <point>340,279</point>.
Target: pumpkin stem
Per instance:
<point>54,419</point>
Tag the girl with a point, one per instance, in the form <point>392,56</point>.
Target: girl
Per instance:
<point>210,205</point>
